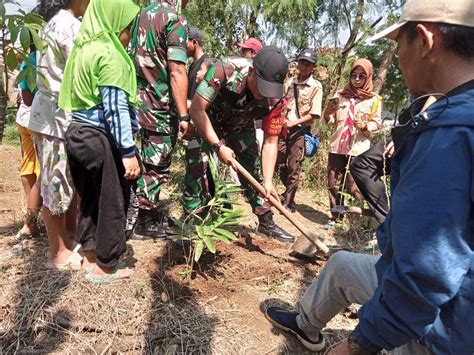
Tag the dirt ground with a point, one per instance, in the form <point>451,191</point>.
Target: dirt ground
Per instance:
<point>157,311</point>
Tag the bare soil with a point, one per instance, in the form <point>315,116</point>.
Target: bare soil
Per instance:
<point>219,311</point>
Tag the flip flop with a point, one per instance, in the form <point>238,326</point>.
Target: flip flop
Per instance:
<point>73,262</point>
<point>20,235</point>
<point>90,268</point>
<point>106,279</point>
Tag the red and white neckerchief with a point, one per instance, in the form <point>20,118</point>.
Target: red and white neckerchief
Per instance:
<point>348,132</point>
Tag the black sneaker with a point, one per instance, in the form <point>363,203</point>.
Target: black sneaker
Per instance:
<point>268,228</point>
<point>286,320</point>
<point>290,208</point>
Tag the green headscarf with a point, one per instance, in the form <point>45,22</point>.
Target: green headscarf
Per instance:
<point>98,58</point>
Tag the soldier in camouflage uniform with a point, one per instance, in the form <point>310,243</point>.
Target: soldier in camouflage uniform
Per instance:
<point>236,91</point>
<point>198,184</point>
<point>159,39</point>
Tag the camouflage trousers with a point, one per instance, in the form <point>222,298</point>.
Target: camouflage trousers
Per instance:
<point>156,151</point>
<point>198,183</point>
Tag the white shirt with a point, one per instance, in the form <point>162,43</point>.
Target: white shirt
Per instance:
<point>23,115</point>
<point>46,117</point>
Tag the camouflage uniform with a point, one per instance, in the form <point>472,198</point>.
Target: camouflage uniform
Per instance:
<point>233,111</point>
<point>158,36</point>
<point>198,184</point>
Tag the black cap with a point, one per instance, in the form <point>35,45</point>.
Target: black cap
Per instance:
<point>195,34</point>
<point>309,55</point>
<point>271,66</point>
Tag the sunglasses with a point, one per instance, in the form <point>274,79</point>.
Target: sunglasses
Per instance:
<point>358,76</point>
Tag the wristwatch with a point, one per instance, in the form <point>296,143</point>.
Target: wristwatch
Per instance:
<point>184,118</point>
<point>356,348</point>
<point>217,146</point>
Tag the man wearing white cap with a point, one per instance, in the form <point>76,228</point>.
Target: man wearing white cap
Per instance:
<point>418,296</point>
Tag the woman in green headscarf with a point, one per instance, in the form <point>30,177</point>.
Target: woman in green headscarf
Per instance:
<point>99,88</point>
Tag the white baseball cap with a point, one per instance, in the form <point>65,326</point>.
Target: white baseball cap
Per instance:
<point>453,12</point>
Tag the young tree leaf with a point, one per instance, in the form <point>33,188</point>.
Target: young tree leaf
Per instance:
<point>11,60</point>
<point>31,78</point>
<point>220,237</point>
<point>226,233</point>
<point>25,38</point>
<point>209,243</point>
<point>198,249</point>
<point>14,31</point>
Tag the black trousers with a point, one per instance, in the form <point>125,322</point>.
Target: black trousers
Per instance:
<point>97,171</point>
<point>367,170</point>
<point>340,180</point>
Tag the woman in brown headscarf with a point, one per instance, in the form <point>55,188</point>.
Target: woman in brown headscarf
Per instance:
<point>355,113</point>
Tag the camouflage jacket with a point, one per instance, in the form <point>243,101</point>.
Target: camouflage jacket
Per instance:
<point>158,35</point>
<point>233,108</point>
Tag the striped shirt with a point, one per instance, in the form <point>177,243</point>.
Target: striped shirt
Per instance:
<point>115,116</point>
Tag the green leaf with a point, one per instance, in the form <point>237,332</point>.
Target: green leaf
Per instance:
<point>22,76</point>
<point>178,222</point>
<point>2,10</point>
<point>31,17</point>
<point>25,38</point>
<point>209,244</point>
<point>11,60</point>
<point>221,237</point>
<point>200,231</point>
<point>223,201</point>
<point>226,233</point>
<point>31,78</point>
<point>14,31</point>
<point>232,222</point>
<point>228,216</point>
<point>198,249</point>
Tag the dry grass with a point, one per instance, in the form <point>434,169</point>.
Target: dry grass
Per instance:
<point>157,312</point>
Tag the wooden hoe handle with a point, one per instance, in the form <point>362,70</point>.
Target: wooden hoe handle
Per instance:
<point>313,239</point>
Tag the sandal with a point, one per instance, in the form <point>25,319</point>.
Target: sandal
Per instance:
<point>21,235</point>
<point>107,279</point>
<point>73,262</point>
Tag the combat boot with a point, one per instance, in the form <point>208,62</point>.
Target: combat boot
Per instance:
<point>149,225</point>
<point>268,228</point>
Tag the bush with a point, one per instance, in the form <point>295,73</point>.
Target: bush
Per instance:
<point>11,135</point>
<point>315,169</point>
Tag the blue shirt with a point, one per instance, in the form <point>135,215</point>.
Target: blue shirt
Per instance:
<point>116,116</point>
<point>426,271</point>
<point>23,84</point>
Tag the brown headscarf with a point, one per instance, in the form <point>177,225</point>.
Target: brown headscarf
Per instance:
<point>365,92</point>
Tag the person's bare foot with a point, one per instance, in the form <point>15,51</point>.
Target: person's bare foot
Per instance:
<point>88,263</point>
<point>60,257</point>
<point>64,260</point>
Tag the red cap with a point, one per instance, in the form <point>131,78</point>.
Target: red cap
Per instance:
<point>251,43</point>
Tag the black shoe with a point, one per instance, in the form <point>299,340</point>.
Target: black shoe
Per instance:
<point>282,198</point>
<point>290,208</point>
<point>150,225</point>
<point>286,320</point>
<point>268,228</point>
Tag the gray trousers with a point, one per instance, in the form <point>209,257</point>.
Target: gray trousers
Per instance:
<point>347,278</point>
